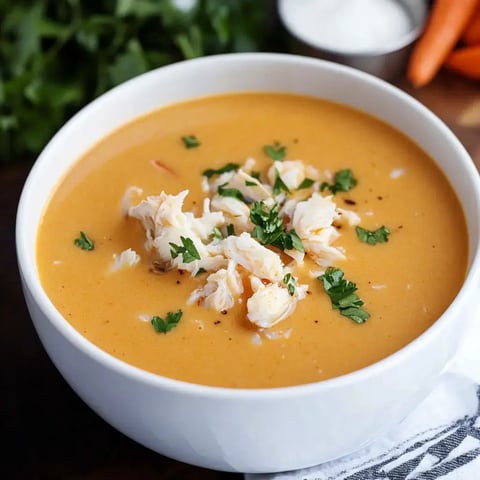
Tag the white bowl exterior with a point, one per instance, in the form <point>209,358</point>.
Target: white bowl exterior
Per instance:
<point>248,430</point>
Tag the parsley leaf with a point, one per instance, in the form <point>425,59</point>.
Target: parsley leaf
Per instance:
<point>342,295</point>
<point>231,192</point>
<point>230,229</point>
<point>191,141</point>
<point>249,183</point>
<point>187,250</point>
<point>307,183</point>
<point>270,230</point>
<point>275,151</point>
<point>171,321</point>
<point>84,242</point>
<point>343,182</point>
<point>200,271</point>
<point>227,168</point>
<point>372,237</point>
<point>279,185</point>
<point>290,282</point>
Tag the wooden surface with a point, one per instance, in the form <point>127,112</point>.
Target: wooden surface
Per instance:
<point>47,431</point>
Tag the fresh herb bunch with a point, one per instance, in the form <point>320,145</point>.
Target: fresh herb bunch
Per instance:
<point>56,56</point>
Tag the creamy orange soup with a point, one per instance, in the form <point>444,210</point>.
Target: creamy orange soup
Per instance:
<point>405,283</point>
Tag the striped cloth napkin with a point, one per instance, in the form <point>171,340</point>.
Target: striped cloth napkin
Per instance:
<point>440,439</point>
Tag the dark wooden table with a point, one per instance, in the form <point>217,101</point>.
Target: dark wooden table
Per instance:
<point>47,431</point>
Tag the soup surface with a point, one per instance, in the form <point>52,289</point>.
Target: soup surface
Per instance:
<point>405,283</point>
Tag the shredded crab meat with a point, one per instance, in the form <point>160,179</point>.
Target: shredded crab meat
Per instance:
<point>126,259</point>
<point>252,256</point>
<point>131,192</point>
<point>270,304</point>
<point>235,212</point>
<point>230,259</point>
<point>292,173</point>
<point>221,290</point>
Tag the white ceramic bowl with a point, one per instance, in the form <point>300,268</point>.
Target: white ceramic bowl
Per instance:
<point>261,430</point>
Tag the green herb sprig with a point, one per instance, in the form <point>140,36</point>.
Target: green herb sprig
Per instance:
<point>342,295</point>
<point>276,151</point>
<point>190,141</point>
<point>188,250</point>
<point>270,230</point>
<point>225,191</point>
<point>45,46</point>
<point>84,242</point>
<point>372,237</point>
<point>290,282</point>
<point>171,320</point>
<point>343,181</point>
<point>229,167</point>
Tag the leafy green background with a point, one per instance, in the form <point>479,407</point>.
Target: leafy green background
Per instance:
<point>57,55</point>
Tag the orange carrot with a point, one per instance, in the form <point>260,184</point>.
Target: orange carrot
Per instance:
<point>465,61</point>
<point>445,25</point>
<point>471,35</point>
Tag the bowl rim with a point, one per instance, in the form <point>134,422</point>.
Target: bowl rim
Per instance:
<point>390,48</point>
<point>64,328</point>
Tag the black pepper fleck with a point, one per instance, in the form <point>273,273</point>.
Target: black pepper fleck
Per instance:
<point>349,201</point>
<point>217,322</point>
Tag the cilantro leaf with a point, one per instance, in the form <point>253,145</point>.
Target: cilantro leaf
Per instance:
<point>270,230</point>
<point>275,151</point>
<point>279,185</point>
<point>191,141</point>
<point>231,192</point>
<point>307,183</point>
<point>84,242</point>
<point>171,321</point>
<point>290,282</point>
<point>372,237</point>
<point>343,182</point>
<point>187,250</point>
<point>342,295</point>
<point>227,168</point>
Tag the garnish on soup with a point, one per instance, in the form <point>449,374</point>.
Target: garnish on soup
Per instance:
<point>275,151</point>
<point>372,237</point>
<point>171,320</point>
<point>190,141</point>
<point>84,242</point>
<point>239,238</point>
<point>342,295</point>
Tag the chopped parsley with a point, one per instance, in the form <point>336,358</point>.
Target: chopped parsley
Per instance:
<point>200,271</point>
<point>230,229</point>
<point>255,175</point>
<point>229,167</point>
<point>270,230</point>
<point>290,282</point>
<point>187,250</point>
<point>249,183</point>
<point>372,237</point>
<point>279,185</point>
<point>165,325</point>
<point>216,233</point>
<point>84,242</point>
<point>231,192</point>
<point>342,295</point>
<point>343,182</point>
<point>307,183</point>
<point>190,141</point>
<point>275,151</point>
